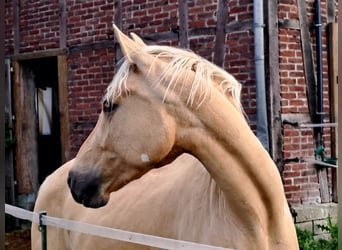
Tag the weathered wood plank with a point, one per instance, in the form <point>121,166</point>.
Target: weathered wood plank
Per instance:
<point>183,23</point>
<point>150,38</point>
<point>331,9</point>
<point>118,23</point>
<point>62,23</point>
<point>294,24</point>
<point>311,83</point>
<point>289,24</point>
<point>171,35</point>
<point>220,42</point>
<point>333,90</point>
<point>16,35</point>
<point>26,130</point>
<point>323,185</point>
<point>63,107</point>
<point>308,61</point>
<point>273,88</point>
<point>93,46</point>
<point>39,54</point>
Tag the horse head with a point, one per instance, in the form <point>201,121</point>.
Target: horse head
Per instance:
<point>146,108</point>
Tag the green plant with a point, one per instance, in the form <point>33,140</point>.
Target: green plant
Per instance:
<point>306,240</point>
<point>332,229</point>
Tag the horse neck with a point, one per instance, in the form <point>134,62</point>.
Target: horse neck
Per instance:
<point>242,169</point>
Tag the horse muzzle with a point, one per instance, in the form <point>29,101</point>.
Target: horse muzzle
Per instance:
<point>85,189</point>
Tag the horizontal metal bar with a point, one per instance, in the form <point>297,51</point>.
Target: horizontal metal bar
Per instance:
<point>111,233</point>
<point>322,163</point>
<point>317,125</point>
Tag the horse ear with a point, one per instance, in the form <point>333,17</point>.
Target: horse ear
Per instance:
<point>129,47</point>
<point>137,39</point>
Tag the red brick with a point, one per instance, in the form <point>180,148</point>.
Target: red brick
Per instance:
<point>90,72</point>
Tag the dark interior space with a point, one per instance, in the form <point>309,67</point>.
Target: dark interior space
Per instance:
<point>45,72</point>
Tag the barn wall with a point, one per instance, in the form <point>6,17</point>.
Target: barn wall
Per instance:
<point>91,61</point>
<point>301,179</point>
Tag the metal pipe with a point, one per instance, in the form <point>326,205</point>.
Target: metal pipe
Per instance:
<point>319,70</point>
<point>261,107</point>
<point>318,125</point>
<point>310,125</point>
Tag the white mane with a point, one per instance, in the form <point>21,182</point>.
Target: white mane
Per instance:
<point>181,61</point>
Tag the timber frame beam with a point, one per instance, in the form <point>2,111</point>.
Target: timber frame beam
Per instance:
<point>273,87</point>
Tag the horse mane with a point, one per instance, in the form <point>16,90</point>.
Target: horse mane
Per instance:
<point>181,62</point>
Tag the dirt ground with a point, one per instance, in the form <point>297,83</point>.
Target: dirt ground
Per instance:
<point>18,240</point>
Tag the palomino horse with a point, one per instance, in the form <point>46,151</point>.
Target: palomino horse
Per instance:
<point>164,102</point>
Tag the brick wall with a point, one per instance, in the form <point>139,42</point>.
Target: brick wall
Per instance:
<point>91,67</point>
<point>89,74</point>
<point>9,34</point>
<point>89,21</point>
<point>91,63</point>
<point>300,179</point>
<point>38,25</point>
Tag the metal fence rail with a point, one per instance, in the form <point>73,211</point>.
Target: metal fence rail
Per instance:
<point>105,232</point>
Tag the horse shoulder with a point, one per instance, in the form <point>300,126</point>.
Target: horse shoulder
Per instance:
<point>51,198</point>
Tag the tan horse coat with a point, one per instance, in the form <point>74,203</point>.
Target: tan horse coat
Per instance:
<point>236,201</point>
<point>179,200</point>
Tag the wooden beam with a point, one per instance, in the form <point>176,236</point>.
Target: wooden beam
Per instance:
<point>323,184</point>
<point>25,130</point>
<point>16,30</point>
<point>331,9</point>
<point>183,23</point>
<point>220,41</point>
<point>308,61</point>
<point>333,90</point>
<point>63,107</point>
<point>105,44</point>
<point>294,24</point>
<point>62,23</point>
<point>201,31</point>
<point>289,24</point>
<point>273,87</point>
<point>118,13</point>
<point>152,37</point>
<point>118,23</point>
<point>39,54</point>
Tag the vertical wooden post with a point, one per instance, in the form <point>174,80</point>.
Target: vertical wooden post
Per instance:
<point>16,37</point>
<point>333,89</point>
<point>273,87</point>
<point>118,23</point>
<point>183,23</point>
<point>331,11</point>
<point>311,82</point>
<point>308,61</point>
<point>62,24</point>
<point>26,130</point>
<point>63,106</point>
<point>222,14</point>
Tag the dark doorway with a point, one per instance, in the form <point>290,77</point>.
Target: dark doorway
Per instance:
<point>45,72</point>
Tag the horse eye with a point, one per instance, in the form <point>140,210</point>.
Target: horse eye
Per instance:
<point>108,106</point>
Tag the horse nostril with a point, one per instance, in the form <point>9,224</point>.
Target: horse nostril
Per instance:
<point>84,189</point>
<point>70,179</point>
<point>75,187</point>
